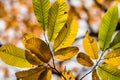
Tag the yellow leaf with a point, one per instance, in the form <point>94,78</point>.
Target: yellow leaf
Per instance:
<point>46,75</point>
<point>27,36</point>
<point>58,14</point>
<point>32,58</point>
<point>67,75</point>
<point>95,75</point>
<point>67,34</point>
<point>66,53</point>
<point>113,57</point>
<point>90,46</point>
<point>39,48</point>
<point>84,59</point>
<point>13,55</point>
<point>32,74</point>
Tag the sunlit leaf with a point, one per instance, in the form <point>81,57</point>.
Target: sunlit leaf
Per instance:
<point>67,75</point>
<point>32,58</point>
<point>107,27</point>
<point>116,42</point>
<point>32,74</point>
<point>84,59</point>
<point>27,36</point>
<point>13,55</point>
<point>90,46</point>
<point>57,18</point>
<point>67,34</point>
<point>39,48</point>
<point>113,57</point>
<point>107,72</point>
<point>41,9</point>
<point>66,53</point>
<point>95,75</point>
<point>46,75</point>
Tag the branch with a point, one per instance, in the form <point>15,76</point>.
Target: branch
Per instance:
<point>93,67</point>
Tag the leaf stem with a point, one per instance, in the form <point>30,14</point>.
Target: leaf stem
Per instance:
<point>50,49</point>
<point>94,67</point>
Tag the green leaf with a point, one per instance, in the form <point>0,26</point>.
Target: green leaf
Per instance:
<point>57,18</point>
<point>39,48</point>
<point>107,27</point>
<point>67,34</point>
<point>84,59</point>
<point>113,57</point>
<point>41,9</point>
<point>32,58</point>
<point>66,53</point>
<point>107,72</point>
<point>32,74</point>
<point>116,42</point>
<point>13,55</point>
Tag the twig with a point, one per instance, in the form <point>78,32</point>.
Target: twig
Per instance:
<point>100,6</point>
<point>50,49</point>
<point>93,67</point>
<point>56,71</point>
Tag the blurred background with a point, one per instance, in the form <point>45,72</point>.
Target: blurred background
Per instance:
<point>17,17</point>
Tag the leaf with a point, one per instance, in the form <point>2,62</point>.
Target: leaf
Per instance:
<point>67,75</point>
<point>107,27</point>
<point>32,58</point>
<point>32,74</point>
<point>116,42</point>
<point>95,75</point>
<point>67,34</point>
<point>57,18</point>
<point>27,36</point>
<point>84,59</point>
<point>41,9</point>
<point>46,75</point>
<point>90,46</point>
<point>39,48</point>
<point>66,53</point>
<point>13,55</point>
<point>113,57</point>
<point>107,72</point>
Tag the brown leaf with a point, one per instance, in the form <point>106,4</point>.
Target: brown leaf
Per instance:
<point>39,48</point>
<point>95,75</point>
<point>84,59</point>
<point>66,53</point>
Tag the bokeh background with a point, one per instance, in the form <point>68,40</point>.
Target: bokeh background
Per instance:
<point>17,17</point>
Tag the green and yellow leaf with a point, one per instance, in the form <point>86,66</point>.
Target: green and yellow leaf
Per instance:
<point>107,72</point>
<point>41,9</point>
<point>39,48</point>
<point>95,75</point>
<point>113,57</point>
<point>14,56</point>
<point>46,75</point>
<point>84,59</point>
<point>67,34</point>
<point>32,74</point>
<point>32,58</point>
<point>66,53</point>
<point>58,14</point>
<point>67,75</point>
<point>90,46</point>
<point>116,42</point>
<point>107,27</point>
